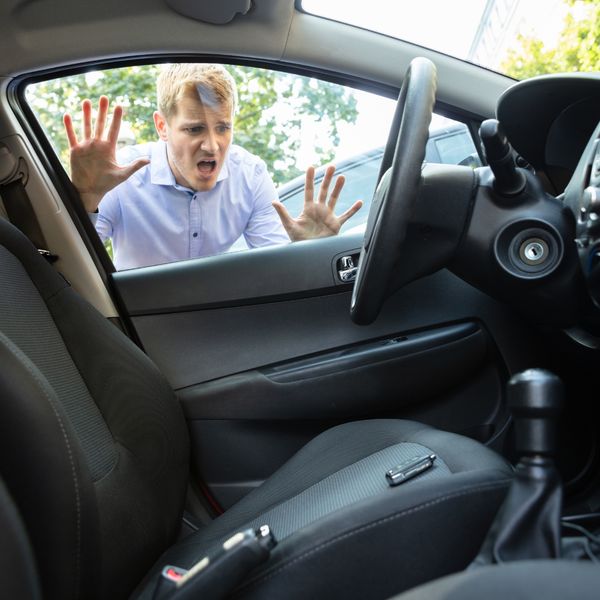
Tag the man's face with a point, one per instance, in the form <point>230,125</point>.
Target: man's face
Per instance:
<point>198,138</point>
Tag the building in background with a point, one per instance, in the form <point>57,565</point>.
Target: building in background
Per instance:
<point>503,21</point>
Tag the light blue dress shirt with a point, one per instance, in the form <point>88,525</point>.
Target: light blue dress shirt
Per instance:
<point>153,220</point>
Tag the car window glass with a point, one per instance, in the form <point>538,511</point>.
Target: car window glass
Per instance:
<point>449,143</point>
<point>288,121</point>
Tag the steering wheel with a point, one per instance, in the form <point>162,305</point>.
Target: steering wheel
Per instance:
<point>397,191</point>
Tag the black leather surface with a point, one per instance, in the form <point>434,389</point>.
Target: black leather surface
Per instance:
<point>17,566</point>
<point>528,524</point>
<point>526,580</point>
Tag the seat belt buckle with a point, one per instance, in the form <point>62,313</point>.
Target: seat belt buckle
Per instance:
<point>216,574</point>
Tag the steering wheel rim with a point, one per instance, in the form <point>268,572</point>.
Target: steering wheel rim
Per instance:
<point>397,190</point>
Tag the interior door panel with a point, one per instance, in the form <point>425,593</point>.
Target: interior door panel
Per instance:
<point>332,385</point>
<point>261,351</point>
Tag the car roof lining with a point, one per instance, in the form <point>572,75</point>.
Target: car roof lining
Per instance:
<point>69,32</point>
<point>217,13</point>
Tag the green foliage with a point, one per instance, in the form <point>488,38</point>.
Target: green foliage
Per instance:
<point>272,109</point>
<point>577,49</point>
<point>133,87</point>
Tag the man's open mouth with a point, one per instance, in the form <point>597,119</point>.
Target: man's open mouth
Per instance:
<point>206,167</point>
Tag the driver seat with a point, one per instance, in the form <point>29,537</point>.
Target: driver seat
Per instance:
<point>94,450</point>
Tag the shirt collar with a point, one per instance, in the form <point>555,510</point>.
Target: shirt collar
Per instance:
<point>160,171</point>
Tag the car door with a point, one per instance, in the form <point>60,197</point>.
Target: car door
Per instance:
<point>263,355</point>
<point>261,351</point>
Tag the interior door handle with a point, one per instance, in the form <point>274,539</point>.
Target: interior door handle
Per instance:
<point>347,269</point>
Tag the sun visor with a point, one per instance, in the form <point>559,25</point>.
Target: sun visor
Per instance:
<point>216,13</point>
<point>549,119</point>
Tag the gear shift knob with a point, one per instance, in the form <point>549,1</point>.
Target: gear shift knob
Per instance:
<point>535,397</point>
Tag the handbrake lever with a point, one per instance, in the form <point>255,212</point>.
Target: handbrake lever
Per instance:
<point>217,574</point>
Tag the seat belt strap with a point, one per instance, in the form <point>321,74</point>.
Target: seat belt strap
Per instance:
<point>20,212</point>
<point>17,205</point>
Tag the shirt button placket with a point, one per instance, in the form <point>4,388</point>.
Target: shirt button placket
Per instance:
<point>195,223</point>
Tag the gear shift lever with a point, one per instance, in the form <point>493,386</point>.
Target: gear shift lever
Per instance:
<point>528,523</point>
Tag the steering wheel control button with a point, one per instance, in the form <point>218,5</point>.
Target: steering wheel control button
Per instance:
<point>528,249</point>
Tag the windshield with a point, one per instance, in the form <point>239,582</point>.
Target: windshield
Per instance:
<point>520,38</point>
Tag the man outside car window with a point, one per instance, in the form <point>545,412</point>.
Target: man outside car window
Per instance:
<point>192,192</point>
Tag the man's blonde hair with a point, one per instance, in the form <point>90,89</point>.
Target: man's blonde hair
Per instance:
<point>211,83</point>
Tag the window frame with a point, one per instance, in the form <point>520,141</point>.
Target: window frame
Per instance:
<point>16,93</point>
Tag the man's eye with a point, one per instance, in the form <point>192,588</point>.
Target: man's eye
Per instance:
<point>223,128</point>
<point>194,130</point>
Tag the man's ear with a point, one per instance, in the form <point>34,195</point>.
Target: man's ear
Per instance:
<point>161,126</point>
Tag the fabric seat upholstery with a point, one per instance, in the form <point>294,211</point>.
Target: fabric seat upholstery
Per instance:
<point>337,519</point>
<point>102,469</point>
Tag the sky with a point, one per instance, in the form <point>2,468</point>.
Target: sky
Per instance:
<point>448,26</point>
<point>445,25</point>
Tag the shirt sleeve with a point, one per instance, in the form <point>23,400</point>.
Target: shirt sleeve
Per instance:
<point>264,227</point>
<point>107,217</point>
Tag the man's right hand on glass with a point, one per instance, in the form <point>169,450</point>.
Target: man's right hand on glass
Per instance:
<point>318,218</point>
<point>94,168</point>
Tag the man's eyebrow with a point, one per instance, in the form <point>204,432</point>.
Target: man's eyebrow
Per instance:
<point>202,123</point>
<point>195,123</point>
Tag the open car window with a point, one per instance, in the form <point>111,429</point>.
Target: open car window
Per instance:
<point>286,120</point>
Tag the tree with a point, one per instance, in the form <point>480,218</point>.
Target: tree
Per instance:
<point>273,107</point>
<point>577,49</point>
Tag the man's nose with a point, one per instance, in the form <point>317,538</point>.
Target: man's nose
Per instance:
<point>209,142</point>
